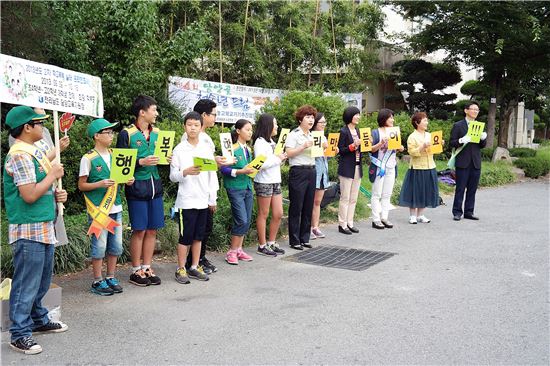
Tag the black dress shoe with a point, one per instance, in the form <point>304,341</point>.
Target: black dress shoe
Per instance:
<point>387,224</point>
<point>307,245</point>
<point>456,217</point>
<point>353,229</point>
<point>377,225</point>
<point>343,230</point>
<point>471,217</point>
<point>296,246</point>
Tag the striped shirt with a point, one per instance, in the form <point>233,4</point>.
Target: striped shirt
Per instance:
<point>20,166</point>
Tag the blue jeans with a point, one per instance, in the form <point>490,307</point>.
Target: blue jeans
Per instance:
<point>241,206</point>
<point>33,268</point>
<point>107,242</point>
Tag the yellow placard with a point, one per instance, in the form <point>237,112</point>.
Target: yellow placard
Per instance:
<point>227,144</point>
<point>332,144</point>
<point>394,138</point>
<point>437,142</point>
<point>164,145</point>
<point>317,147</point>
<point>123,164</point>
<point>365,137</point>
<point>256,164</point>
<point>282,141</point>
<point>475,129</point>
<point>206,165</point>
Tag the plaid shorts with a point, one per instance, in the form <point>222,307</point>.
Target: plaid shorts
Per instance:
<point>267,189</point>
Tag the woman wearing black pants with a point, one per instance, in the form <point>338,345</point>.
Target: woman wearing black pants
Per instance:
<point>301,180</point>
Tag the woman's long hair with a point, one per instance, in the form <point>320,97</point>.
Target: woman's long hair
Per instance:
<point>264,127</point>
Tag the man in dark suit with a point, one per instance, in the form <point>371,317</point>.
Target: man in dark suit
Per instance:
<point>467,163</point>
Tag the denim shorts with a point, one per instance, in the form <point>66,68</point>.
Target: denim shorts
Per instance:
<point>267,189</point>
<point>241,207</point>
<point>146,215</point>
<point>107,242</point>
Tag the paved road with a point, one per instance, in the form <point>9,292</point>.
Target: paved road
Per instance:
<point>457,293</point>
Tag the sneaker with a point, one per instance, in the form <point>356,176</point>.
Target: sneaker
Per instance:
<point>138,278</point>
<point>231,257</point>
<point>153,278</point>
<point>312,235</point>
<point>242,256</point>
<point>51,327</point>
<point>101,288</point>
<point>198,274</point>
<point>113,283</point>
<point>266,250</point>
<point>412,220</point>
<point>423,219</point>
<point>318,233</point>
<point>207,265</point>
<point>181,276</point>
<point>277,249</point>
<point>26,345</point>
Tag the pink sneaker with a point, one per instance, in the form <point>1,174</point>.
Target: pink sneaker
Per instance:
<point>231,257</point>
<point>241,255</point>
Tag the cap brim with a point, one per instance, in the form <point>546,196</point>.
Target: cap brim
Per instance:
<point>40,117</point>
<point>111,125</point>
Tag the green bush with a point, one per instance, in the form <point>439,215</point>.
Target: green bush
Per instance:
<point>487,153</point>
<point>522,152</point>
<point>496,174</point>
<point>534,167</point>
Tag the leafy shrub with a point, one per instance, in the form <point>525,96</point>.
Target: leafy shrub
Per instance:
<point>534,167</point>
<point>487,153</point>
<point>495,174</point>
<point>522,152</point>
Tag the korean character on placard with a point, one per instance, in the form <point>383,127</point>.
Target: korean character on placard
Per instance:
<point>124,161</point>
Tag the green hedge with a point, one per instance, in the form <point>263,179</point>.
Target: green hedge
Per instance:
<point>534,167</point>
<point>522,152</point>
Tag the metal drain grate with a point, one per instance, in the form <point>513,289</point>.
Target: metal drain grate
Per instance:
<point>340,257</point>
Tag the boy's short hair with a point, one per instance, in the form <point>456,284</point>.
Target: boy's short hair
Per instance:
<point>142,103</point>
<point>305,110</point>
<point>16,132</point>
<point>192,115</point>
<point>204,106</point>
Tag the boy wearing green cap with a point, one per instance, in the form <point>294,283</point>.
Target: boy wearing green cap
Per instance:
<point>30,197</point>
<point>104,206</point>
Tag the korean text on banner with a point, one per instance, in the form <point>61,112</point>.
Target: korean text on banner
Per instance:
<point>332,144</point>
<point>317,147</point>
<point>164,145</point>
<point>279,148</point>
<point>394,138</point>
<point>49,87</point>
<point>123,164</point>
<point>365,137</point>
<point>475,129</point>
<point>204,164</point>
<point>256,164</point>
<point>437,142</point>
<point>227,145</point>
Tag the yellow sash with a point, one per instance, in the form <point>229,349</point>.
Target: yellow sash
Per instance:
<point>35,151</point>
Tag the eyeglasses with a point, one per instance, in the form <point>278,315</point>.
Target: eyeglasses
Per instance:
<point>474,109</point>
<point>107,132</point>
<point>37,123</point>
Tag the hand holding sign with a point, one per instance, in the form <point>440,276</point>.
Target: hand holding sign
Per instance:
<point>256,165</point>
<point>317,147</point>
<point>123,164</point>
<point>475,130</point>
<point>365,137</point>
<point>394,138</point>
<point>436,143</point>
<point>332,144</point>
<point>164,146</point>
<point>282,141</point>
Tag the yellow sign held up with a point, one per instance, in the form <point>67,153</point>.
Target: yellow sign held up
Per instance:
<point>332,144</point>
<point>475,129</point>
<point>123,164</point>
<point>227,144</point>
<point>437,142</point>
<point>365,137</point>
<point>317,147</point>
<point>282,141</point>
<point>205,165</point>
<point>164,145</point>
<point>394,138</point>
<point>256,164</point>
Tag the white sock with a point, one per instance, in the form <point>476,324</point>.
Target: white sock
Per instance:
<point>262,246</point>
<point>135,269</point>
<point>193,267</point>
<point>271,243</point>
<point>145,267</point>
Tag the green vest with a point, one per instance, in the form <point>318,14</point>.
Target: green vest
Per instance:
<point>145,148</point>
<point>98,171</point>
<point>241,181</point>
<point>21,212</point>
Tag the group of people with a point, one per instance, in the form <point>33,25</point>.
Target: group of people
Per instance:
<point>31,194</point>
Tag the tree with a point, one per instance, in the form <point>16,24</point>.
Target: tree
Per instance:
<point>421,80</point>
<point>509,41</point>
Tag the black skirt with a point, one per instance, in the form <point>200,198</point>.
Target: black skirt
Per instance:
<point>419,189</point>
